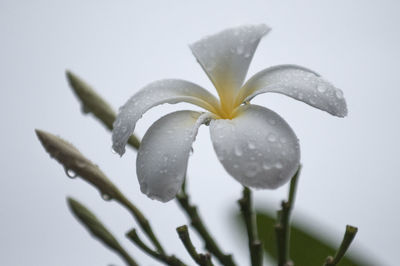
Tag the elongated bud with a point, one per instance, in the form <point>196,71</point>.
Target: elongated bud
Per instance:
<point>95,104</point>
<point>90,221</point>
<point>76,164</point>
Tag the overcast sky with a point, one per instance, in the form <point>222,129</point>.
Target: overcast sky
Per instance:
<point>350,173</point>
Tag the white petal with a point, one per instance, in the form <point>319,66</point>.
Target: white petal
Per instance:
<point>156,93</point>
<point>258,148</point>
<point>163,154</point>
<point>226,56</point>
<point>299,83</point>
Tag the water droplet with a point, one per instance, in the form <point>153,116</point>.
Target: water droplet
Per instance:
<point>312,101</point>
<point>239,50</point>
<point>246,102</point>
<point>300,96</point>
<point>105,197</point>
<point>80,164</point>
<point>279,165</point>
<point>321,88</point>
<point>191,151</point>
<point>252,169</point>
<point>339,94</point>
<point>251,145</point>
<point>282,139</point>
<point>272,121</point>
<point>238,150</point>
<point>236,166</point>
<point>271,137</point>
<point>70,173</point>
<point>113,151</point>
<point>266,166</point>
<point>247,55</point>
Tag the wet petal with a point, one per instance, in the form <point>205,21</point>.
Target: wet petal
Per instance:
<point>226,56</point>
<point>258,148</point>
<point>156,93</point>
<point>299,83</point>
<point>163,154</point>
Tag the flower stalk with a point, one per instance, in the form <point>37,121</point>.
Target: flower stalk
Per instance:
<point>349,235</point>
<point>162,257</point>
<point>282,227</point>
<point>255,246</point>
<point>200,259</point>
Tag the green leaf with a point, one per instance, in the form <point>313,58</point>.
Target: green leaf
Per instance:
<point>306,248</point>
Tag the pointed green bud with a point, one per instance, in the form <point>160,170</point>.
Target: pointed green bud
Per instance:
<point>76,164</point>
<point>95,104</point>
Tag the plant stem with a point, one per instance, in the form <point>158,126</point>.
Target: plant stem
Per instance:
<point>255,246</point>
<point>282,227</point>
<point>167,259</point>
<point>349,235</point>
<point>198,225</point>
<point>200,259</point>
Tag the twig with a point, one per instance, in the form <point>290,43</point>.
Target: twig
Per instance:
<point>166,259</point>
<point>282,228</point>
<point>200,259</point>
<point>198,225</point>
<point>255,246</point>
<point>349,235</point>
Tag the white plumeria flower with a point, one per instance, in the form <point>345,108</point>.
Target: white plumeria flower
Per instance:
<point>254,144</point>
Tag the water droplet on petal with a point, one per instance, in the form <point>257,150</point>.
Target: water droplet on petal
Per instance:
<point>266,166</point>
<point>191,151</point>
<point>251,145</point>
<point>113,151</point>
<point>70,173</point>
<point>238,150</point>
<point>252,169</point>
<point>236,166</point>
<point>339,94</point>
<point>321,88</point>
<point>271,137</point>
<point>239,50</point>
<point>279,165</point>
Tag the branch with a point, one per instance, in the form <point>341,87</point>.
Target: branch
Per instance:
<point>349,235</point>
<point>282,227</point>
<point>198,225</point>
<point>167,259</point>
<point>200,259</point>
<point>255,246</point>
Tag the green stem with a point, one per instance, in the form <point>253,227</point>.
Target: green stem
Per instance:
<point>198,225</point>
<point>282,228</point>
<point>349,235</point>
<point>255,246</point>
<point>166,259</point>
<point>200,259</point>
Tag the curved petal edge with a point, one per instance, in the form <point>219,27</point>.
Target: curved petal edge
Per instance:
<point>159,92</point>
<point>299,83</point>
<point>164,152</point>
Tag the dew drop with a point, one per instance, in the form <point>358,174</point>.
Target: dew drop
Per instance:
<point>321,88</point>
<point>278,165</point>
<point>266,166</point>
<point>191,151</point>
<point>271,137</point>
<point>238,151</point>
<point>282,140</point>
<point>247,55</point>
<point>239,50</point>
<point>105,197</point>
<point>70,173</point>
<point>252,169</point>
<point>236,166</point>
<point>251,145</point>
<point>339,94</point>
<point>113,151</point>
<point>85,109</point>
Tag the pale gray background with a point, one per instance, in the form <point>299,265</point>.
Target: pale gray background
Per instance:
<point>350,165</point>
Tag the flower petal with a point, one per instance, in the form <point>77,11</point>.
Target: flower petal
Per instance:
<point>226,56</point>
<point>156,93</point>
<point>299,83</point>
<point>258,148</point>
<point>163,154</point>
